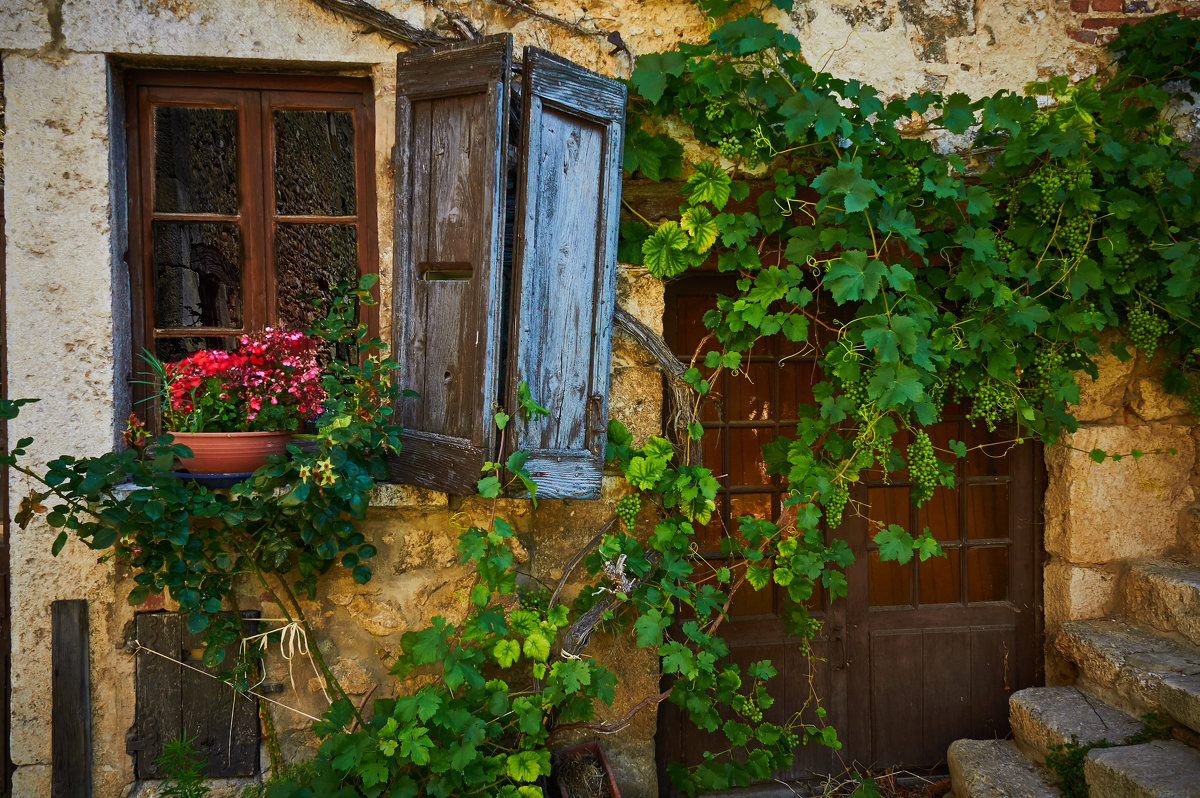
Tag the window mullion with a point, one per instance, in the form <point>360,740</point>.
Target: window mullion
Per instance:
<point>256,219</point>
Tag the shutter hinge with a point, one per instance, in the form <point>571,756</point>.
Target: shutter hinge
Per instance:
<point>133,743</point>
<point>595,422</point>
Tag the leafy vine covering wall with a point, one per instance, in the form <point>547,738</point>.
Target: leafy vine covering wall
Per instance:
<point>917,277</point>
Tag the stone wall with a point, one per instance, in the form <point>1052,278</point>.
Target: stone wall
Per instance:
<point>67,329</point>
<point>1101,517</point>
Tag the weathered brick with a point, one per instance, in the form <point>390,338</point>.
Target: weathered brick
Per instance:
<point>1108,5</point>
<point>1079,6</point>
<point>1084,36</point>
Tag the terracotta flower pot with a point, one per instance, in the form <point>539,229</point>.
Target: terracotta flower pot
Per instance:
<point>229,452</point>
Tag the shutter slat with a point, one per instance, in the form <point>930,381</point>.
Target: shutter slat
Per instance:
<point>451,154</point>
<point>564,269</point>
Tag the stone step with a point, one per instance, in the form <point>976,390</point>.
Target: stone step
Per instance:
<point>1046,716</point>
<point>1157,769</point>
<point>995,769</point>
<point>1164,595</point>
<point>1133,668</point>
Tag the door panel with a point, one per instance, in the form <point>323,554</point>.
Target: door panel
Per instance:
<point>918,654</point>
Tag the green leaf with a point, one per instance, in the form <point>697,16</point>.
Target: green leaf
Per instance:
<point>709,183</point>
<point>895,545</point>
<point>489,487</point>
<point>649,77</point>
<point>663,251</point>
<point>1098,455</point>
<point>957,115</point>
<point>846,178</point>
<point>700,225</point>
<point>528,766</point>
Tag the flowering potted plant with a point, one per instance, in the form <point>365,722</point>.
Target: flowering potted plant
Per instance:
<point>234,409</point>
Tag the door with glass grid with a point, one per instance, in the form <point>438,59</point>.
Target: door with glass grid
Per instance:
<point>918,654</point>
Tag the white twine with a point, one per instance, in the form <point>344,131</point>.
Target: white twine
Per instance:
<point>139,647</point>
<point>293,642</point>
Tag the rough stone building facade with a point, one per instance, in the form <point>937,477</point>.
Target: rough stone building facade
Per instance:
<point>68,316</point>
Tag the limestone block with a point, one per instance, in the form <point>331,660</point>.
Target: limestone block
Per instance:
<point>636,399</point>
<point>24,25</point>
<point>1151,403</point>
<point>271,29</point>
<point>995,769</point>
<point>1105,512</point>
<point>1073,592</point>
<point>641,295</point>
<point>1103,397</point>
<point>1046,716</point>
<point>1165,595</point>
<point>1127,665</point>
<point>1157,769</point>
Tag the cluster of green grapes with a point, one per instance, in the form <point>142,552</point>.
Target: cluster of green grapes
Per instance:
<point>715,108</point>
<point>856,393</point>
<point>1074,235</point>
<point>1046,364</point>
<point>730,146</point>
<point>992,402</point>
<point>748,708</point>
<point>835,504</point>
<point>912,174</point>
<point>1154,178</point>
<point>1037,124</point>
<point>1144,327</point>
<point>923,468</point>
<point>1050,179</point>
<point>627,510</point>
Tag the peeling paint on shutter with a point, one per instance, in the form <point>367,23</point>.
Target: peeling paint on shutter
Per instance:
<point>450,172</point>
<point>569,194</point>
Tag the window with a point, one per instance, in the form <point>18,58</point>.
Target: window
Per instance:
<point>249,196</point>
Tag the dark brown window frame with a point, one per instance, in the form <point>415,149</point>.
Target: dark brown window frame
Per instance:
<point>253,97</point>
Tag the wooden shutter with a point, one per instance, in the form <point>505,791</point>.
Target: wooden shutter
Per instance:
<point>172,699</point>
<point>564,268</point>
<point>452,109</point>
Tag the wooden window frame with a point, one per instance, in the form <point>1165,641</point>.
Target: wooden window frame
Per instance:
<point>253,97</point>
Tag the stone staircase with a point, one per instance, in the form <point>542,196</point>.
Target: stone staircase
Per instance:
<point>1147,660</point>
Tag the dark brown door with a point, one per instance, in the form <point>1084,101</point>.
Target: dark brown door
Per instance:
<point>918,654</point>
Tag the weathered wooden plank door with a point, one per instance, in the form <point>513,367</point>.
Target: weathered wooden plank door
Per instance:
<point>917,655</point>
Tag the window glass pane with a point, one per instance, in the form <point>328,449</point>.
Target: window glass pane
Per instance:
<point>311,260</point>
<point>987,574</point>
<point>987,511</point>
<point>746,466</point>
<point>314,162</point>
<point>197,274</point>
<point>796,378</point>
<point>890,582</point>
<point>169,350</point>
<point>988,453</point>
<point>748,396</point>
<point>195,160</point>
<point>888,506</point>
<point>938,578</point>
<point>940,514</point>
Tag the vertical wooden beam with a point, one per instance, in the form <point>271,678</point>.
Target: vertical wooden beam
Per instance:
<point>71,694</point>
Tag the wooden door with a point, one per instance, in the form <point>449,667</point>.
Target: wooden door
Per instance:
<point>918,654</point>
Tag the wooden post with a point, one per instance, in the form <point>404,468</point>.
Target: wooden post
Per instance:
<point>71,692</point>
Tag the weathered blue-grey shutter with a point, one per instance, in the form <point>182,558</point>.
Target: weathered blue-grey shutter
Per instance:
<point>452,109</point>
<point>564,268</point>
